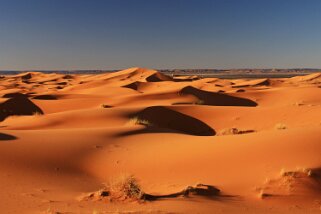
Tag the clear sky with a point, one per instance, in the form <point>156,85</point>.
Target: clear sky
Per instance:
<point>115,34</point>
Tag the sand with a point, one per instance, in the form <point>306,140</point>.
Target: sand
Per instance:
<point>192,145</point>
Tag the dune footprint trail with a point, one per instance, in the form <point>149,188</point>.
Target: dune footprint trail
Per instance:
<point>195,145</point>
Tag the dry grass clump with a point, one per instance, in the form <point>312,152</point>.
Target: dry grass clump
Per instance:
<point>200,102</point>
<point>234,131</point>
<point>124,187</point>
<point>36,113</point>
<point>139,121</point>
<point>280,126</point>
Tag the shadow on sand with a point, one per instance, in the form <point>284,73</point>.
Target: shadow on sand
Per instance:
<point>19,105</point>
<point>159,119</point>
<point>217,99</point>
<point>4,136</point>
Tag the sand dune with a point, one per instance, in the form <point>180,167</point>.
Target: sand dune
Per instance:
<point>164,118</point>
<point>189,144</point>
<point>216,99</point>
<point>248,83</point>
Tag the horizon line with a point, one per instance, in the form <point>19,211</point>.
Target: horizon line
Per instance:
<point>118,69</point>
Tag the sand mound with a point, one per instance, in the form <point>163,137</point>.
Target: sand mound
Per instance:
<point>294,183</point>
<point>186,78</point>
<point>165,118</point>
<point>26,76</point>
<point>18,106</point>
<point>252,83</point>
<point>216,99</point>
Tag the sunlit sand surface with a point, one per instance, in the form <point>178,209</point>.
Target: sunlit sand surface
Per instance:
<point>72,143</point>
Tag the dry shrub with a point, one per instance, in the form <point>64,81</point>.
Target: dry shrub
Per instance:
<point>124,187</point>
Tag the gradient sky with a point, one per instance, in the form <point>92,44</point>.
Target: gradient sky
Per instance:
<point>115,34</point>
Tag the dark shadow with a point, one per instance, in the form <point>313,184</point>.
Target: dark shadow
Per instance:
<point>240,90</point>
<point>7,137</point>
<point>246,131</point>
<point>26,76</point>
<point>316,175</point>
<point>202,190</point>
<point>106,106</point>
<point>199,189</point>
<point>164,119</point>
<point>133,86</point>
<point>18,106</point>
<point>67,76</point>
<point>45,97</point>
<point>216,99</point>
<point>17,94</point>
<point>62,83</point>
<point>158,77</point>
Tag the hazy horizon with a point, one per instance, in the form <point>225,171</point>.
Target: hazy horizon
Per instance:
<point>160,34</point>
<point>117,69</point>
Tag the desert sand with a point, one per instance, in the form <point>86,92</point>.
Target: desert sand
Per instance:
<point>192,145</point>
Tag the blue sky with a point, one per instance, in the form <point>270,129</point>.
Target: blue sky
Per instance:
<point>116,34</point>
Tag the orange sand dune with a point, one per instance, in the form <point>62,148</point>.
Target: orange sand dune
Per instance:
<point>138,141</point>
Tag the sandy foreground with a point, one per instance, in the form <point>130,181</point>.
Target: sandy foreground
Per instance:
<point>255,145</point>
